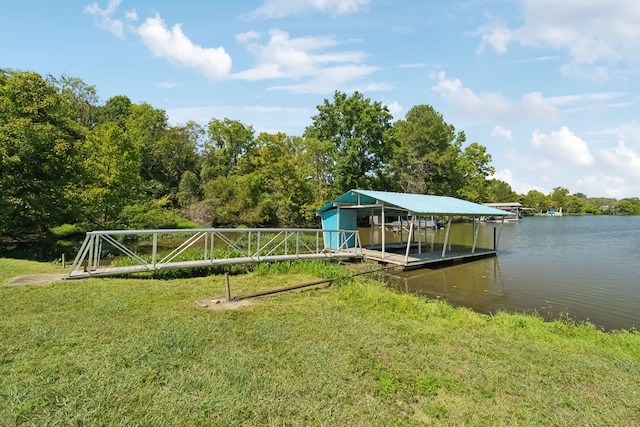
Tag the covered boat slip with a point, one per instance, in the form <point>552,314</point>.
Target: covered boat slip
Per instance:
<point>415,212</point>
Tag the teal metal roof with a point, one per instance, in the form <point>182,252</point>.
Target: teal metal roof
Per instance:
<point>417,204</point>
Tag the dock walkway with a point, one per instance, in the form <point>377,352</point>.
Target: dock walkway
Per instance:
<point>153,250</point>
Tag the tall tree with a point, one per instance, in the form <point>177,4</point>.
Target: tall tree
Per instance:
<point>82,98</point>
<point>38,157</point>
<point>112,163</point>
<point>500,191</point>
<point>559,197</point>
<point>228,141</point>
<point>116,110</point>
<point>360,132</point>
<point>536,200</point>
<point>473,168</point>
<point>278,159</point>
<point>428,152</point>
<point>145,127</point>
<point>166,159</point>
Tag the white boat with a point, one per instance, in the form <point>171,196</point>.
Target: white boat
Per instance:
<point>553,212</point>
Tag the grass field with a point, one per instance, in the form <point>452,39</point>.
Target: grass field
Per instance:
<point>139,351</point>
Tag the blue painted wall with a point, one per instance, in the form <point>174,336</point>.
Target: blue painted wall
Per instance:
<point>339,219</point>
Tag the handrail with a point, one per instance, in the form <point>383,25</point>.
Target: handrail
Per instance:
<point>328,243</point>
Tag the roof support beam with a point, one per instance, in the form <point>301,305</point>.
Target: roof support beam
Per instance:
<point>406,255</point>
<point>446,237</point>
<point>383,231</point>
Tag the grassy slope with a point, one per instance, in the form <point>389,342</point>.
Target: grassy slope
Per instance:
<point>135,351</point>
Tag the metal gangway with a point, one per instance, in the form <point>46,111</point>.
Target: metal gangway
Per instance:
<point>138,251</point>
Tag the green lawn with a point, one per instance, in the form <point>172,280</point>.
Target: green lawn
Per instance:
<point>135,351</point>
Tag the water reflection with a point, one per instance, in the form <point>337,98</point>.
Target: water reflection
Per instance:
<point>585,267</point>
<point>477,285</point>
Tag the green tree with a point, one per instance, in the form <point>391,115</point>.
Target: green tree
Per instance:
<point>147,127</point>
<point>38,157</point>
<point>318,158</point>
<point>173,154</point>
<point>189,190</point>
<point>116,110</point>
<point>112,164</point>
<point>82,98</point>
<point>228,141</point>
<point>238,199</point>
<point>473,168</point>
<point>360,132</point>
<point>629,206</point>
<point>428,152</point>
<point>536,200</point>
<point>573,205</point>
<point>500,191</point>
<point>278,159</point>
<point>559,197</point>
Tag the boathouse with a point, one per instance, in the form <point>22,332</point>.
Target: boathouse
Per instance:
<point>410,216</point>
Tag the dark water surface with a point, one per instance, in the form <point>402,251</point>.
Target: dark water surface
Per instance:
<point>585,267</point>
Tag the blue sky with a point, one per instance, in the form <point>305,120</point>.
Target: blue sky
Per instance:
<point>550,87</point>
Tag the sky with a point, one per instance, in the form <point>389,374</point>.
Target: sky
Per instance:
<point>550,87</point>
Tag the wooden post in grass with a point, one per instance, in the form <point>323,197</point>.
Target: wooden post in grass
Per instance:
<point>226,279</point>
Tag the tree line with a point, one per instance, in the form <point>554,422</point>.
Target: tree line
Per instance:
<point>71,163</point>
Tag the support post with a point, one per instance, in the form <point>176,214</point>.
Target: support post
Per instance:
<point>383,230</point>
<point>259,248</point>
<point>372,223</point>
<point>154,250</point>
<point>499,233</point>
<point>91,252</point>
<point>420,234</point>
<point>476,229</point>
<point>446,237</point>
<point>495,248</point>
<point>228,285</point>
<point>406,255</point>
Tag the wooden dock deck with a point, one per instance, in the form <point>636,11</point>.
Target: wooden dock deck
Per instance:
<point>415,260</point>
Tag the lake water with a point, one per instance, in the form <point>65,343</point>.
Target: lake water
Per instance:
<point>587,268</point>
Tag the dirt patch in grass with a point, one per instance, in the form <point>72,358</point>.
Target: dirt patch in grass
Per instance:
<point>35,279</point>
<point>219,304</point>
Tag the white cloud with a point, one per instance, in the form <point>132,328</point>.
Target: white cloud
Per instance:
<point>305,59</point>
<point>592,32</point>
<point>283,8</point>
<point>103,18</point>
<point>395,109</point>
<point>502,132</point>
<point>584,98</point>
<point>630,132</point>
<point>169,85</point>
<point>131,15</point>
<point>623,160</point>
<point>491,106</point>
<point>603,185</point>
<point>413,65</point>
<point>340,78</point>
<point>173,45</point>
<point>563,147</point>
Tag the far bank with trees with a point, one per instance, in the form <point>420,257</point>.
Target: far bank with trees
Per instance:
<point>71,163</point>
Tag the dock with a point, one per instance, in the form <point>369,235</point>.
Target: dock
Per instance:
<point>425,259</point>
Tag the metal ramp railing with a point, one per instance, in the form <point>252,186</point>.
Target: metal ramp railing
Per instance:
<point>152,250</point>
